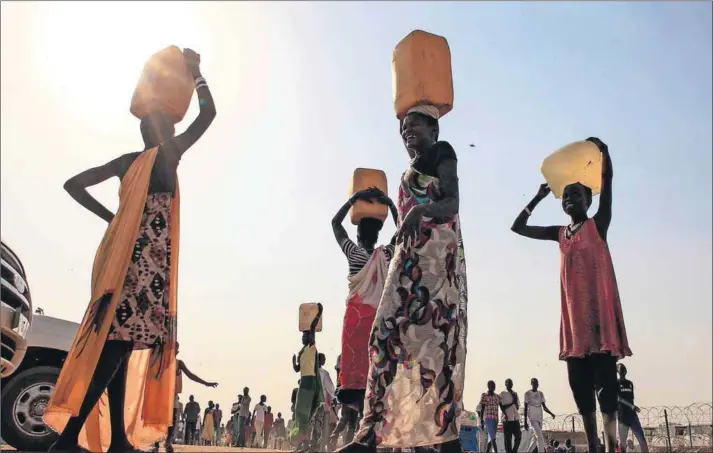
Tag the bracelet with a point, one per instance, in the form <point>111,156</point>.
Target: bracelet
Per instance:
<point>199,80</point>
<point>527,211</point>
<point>201,85</point>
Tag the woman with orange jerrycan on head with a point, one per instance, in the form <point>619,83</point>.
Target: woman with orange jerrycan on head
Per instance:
<point>417,345</point>
<point>126,344</point>
<point>309,394</point>
<point>592,332</point>
<point>368,265</point>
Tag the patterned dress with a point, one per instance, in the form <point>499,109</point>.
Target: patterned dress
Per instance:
<point>142,314</point>
<point>418,341</point>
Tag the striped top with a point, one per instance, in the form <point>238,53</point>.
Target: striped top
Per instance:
<point>359,256</point>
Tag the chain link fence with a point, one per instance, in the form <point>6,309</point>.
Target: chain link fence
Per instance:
<point>667,428</point>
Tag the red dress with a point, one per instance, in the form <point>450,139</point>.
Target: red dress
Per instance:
<point>365,290</point>
<point>592,320</point>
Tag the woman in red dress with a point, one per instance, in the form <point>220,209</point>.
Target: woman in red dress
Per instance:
<point>592,332</point>
<point>368,266</point>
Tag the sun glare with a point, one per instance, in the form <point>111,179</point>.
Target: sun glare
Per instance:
<point>91,53</point>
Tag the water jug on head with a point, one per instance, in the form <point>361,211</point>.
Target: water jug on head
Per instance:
<point>165,85</point>
<point>421,72</point>
<point>577,162</point>
<point>308,311</point>
<point>364,178</point>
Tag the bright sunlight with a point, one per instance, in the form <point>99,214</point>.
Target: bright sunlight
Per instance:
<point>92,53</point>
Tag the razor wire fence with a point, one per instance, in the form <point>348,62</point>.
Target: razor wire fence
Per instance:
<point>667,428</point>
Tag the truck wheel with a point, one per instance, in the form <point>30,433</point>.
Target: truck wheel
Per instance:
<point>24,400</point>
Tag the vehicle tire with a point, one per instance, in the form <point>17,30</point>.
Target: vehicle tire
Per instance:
<point>24,400</point>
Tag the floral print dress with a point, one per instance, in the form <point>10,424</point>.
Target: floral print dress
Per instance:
<point>418,340</point>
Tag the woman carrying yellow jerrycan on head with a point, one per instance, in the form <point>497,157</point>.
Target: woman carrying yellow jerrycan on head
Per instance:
<point>126,344</point>
<point>592,331</point>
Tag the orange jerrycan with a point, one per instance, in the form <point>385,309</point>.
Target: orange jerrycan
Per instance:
<point>308,311</point>
<point>165,85</point>
<point>364,178</point>
<point>421,71</point>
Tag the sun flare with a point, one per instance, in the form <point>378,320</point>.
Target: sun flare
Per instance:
<point>92,53</point>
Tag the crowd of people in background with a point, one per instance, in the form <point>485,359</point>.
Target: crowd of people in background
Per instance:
<point>251,426</point>
<point>332,423</point>
<point>504,408</point>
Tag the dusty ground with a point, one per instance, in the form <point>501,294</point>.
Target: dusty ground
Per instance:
<point>193,448</point>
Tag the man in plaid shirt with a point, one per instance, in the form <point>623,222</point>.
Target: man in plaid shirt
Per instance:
<point>489,405</point>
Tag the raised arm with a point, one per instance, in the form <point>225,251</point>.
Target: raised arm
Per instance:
<point>602,218</point>
<point>394,212</point>
<point>76,186</point>
<point>339,232</point>
<point>315,322</point>
<point>384,199</point>
<point>520,226</point>
<point>205,102</point>
<point>182,366</point>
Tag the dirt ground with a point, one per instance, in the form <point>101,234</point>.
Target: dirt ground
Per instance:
<point>193,448</point>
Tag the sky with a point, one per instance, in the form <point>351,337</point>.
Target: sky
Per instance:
<point>303,95</point>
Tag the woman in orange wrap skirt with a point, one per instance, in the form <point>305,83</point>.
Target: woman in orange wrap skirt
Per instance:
<point>126,343</point>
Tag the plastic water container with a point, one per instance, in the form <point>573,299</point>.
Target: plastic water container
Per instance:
<point>577,162</point>
<point>421,70</point>
<point>308,311</point>
<point>165,85</point>
<point>469,438</point>
<point>364,178</point>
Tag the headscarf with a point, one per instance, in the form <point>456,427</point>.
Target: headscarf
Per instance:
<point>425,109</point>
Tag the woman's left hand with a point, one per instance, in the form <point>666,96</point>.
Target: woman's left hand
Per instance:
<point>410,229</point>
<point>193,60</point>
<point>603,148</point>
<point>383,199</point>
